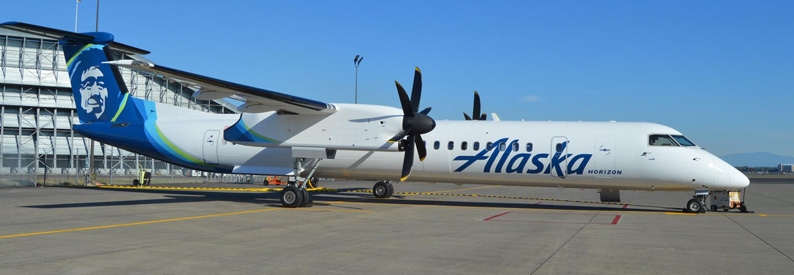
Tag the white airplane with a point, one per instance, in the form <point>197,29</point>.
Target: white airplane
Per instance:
<point>281,134</point>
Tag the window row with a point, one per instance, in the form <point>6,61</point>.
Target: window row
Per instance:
<point>489,146</point>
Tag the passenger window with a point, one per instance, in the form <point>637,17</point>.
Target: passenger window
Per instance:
<point>529,146</point>
<point>502,146</point>
<point>489,146</point>
<point>661,140</point>
<point>476,146</point>
<point>436,145</point>
<point>451,145</point>
<point>514,145</point>
<point>463,145</point>
<point>558,148</point>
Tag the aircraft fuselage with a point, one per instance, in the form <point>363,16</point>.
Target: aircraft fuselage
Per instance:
<point>522,153</point>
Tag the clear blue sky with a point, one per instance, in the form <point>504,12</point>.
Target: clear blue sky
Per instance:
<point>721,72</point>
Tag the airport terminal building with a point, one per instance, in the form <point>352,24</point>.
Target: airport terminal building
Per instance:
<point>38,111</point>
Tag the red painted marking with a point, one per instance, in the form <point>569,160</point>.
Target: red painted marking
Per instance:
<point>625,206</point>
<point>495,216</point>
<point>617,218</point>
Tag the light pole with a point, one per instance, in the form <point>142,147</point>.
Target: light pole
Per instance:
<point>97,16</point>
<point>76,8</point>
<point>357,61</point>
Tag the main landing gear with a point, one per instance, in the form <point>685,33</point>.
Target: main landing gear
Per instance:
<point>293,196</point>
<point>383,189</point>
<point>295,193</point>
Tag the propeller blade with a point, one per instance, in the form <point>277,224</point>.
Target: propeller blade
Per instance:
<point>400,135</point>
<point>483,117</point>
<point>420,148</point>
<point>416,90</point>
<point>404,101</point>
<point>426,111</point>
<point>467,117</point>
<point>408,161</point>
<point>476,110</point>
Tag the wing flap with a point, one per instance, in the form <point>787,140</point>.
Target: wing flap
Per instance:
<point>256,99</point>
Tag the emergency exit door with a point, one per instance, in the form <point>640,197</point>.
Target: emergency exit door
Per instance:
<point>210,147</point>
<point>559,151</point>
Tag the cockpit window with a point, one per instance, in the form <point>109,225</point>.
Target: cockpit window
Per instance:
<point>661,140</point>
<point>683,140</point>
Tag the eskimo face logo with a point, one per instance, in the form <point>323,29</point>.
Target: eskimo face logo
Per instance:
<point>93,92</point>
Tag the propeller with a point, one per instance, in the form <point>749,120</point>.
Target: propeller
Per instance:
<point>415,124</point>
<point>476,111</point>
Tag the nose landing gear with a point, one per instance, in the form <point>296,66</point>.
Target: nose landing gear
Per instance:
<point>695,205</point>
<point>698,202</point>
<point>724,200</point>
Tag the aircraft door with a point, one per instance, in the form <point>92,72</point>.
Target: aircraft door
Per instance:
<point>558,160</point>
<point>210,146</point>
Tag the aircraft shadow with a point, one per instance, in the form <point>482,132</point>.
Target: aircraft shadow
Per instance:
<point>352,195</point>
<point>319,199</point>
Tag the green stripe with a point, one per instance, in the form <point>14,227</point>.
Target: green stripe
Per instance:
<point>121,107</point>
<point>69,63</point>
<point>176,149</point>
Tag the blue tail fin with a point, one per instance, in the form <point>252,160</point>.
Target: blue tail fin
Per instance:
<point>98,88</point>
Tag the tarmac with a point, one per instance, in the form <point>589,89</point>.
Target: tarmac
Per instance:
<point>201,228</point>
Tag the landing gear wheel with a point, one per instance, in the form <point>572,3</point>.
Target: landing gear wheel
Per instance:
<point>694,206</point>
<point>391,189</point>
<point>713,208</point>
<point>382,189</point>
<point>305,194</point>
<point>291,196</point>
<point>313,182</point>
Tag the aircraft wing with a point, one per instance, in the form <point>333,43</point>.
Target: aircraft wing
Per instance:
<point>256,100</point>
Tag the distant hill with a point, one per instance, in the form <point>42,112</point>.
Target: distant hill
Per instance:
<point>758,159</point>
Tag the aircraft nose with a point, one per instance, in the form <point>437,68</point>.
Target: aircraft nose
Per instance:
<point>739,179</point>
<point>735,179</point>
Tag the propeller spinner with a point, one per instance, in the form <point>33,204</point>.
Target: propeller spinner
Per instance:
<point>415,124</point>
<point>476,111</point>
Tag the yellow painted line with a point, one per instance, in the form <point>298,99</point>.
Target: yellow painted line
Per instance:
<point>677,213</point>
<point>249,189</point>
<point>188,188</point>
<point>762,215</point>
<point>134,223</point>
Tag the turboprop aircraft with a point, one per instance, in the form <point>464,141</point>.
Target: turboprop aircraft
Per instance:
<point>281,134</point>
